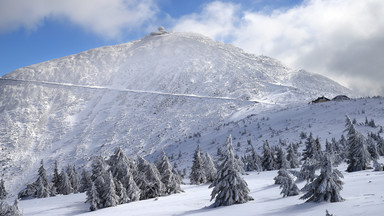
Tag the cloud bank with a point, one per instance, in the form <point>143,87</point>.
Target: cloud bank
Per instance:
<point>342,39</point>
<point>106,18</point>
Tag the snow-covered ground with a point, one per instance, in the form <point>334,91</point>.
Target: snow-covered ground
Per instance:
<point>363,193</point>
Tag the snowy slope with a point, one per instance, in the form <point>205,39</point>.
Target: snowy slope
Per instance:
<point>159,91</point>
<point>363,193</point>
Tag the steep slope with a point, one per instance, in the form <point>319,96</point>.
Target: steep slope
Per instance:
<point>153,92</point>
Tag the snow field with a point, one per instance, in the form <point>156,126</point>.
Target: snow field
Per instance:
<point>363,193</point>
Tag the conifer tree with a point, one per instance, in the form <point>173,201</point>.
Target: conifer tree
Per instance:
<point>168,177</point>
<point>197,175</point>
<point>292,157</point>
<point>110,197</point>
<point>99,176</point>
<point>268,159</point>
<point>372,149</point>
<point>10,210</point>
<point>121,192</point>
<point>253,161</point>
<point>210,168</point>
<point>377,166</point>
<point>65,186</point>
<point>73,178</point>
<point>281,159</point>
<point>132,190</point>
<point>3,192</point>
<point>56,178</point>
<point>288,185</point>
<point>327,186</point>
<point>93,197</point>
<point>43,185</point>
<point>229,188</point>
<point>358,157</point>
<point>85,181</point>
<point>148,180</point>
<point>307,171</point>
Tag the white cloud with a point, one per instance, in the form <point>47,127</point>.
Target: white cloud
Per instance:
<point>107,18</point>
<point>342,39</point>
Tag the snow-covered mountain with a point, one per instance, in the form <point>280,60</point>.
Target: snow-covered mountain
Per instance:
<point>166,90</point>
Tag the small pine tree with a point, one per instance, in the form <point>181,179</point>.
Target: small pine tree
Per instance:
<point>3,192</point>
<point>168,177</point>
<point>229,188</point>
<point>372,149</point>
<point>93,197</point>
<point>292,157</point>
<point>73,178</point>
<point>10,210</point>
<point>110,197</point>
<point>358,157</point>
<point>149,180</point>
<point>288,185</point>
<point>99,176</point>
<point>281,159</point>
<point>197,175</point>
<point>85,181</point>
<point>268,159</point>
<point>210,168</point>
<point>327,186</point>
<point>253,161</point>
<point>56,178</point>
<point>121,192</point>
<point>377,166</point>
<point>65,186</point>
<point>307,171</point>
<point>43,185</point>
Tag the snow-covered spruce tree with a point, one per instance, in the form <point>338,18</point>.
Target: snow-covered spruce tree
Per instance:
<point>168,177</point>
<point>10,210</point>
<point>148,180</point>
<point>288,185</point>
<point>281,159</point>
<point>56,178</point>
<point>28,191</point>
<point>93,197</point>
<point>377,166</point>
<point>110,197</point>
<point>99,176</point>
<point>380,145</point>
<point>292,157</point>
<point>3,192</point>
<point>372,148</point>
<point>123,169</point>
<point>252,161</point>
<point>43,185</point>
<point>312,148</point>
<point>268,159</point>
<point>197,175</point>
<point>358,157</point>
<point>327,186</point>
<point>85,181</point>
<point>307,171</point>
<point>119,165</point>
<point>210,167</point>
<point>74,178</point>
<point>229,188</point>
<point>65,186</point>
<point>121,192</point>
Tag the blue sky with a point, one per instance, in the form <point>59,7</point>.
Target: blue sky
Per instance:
<point>342,39</point>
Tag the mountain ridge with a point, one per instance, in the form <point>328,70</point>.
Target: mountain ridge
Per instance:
<point>144,95</point>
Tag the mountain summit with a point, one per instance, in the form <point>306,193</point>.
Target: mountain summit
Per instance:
<point>154,92</point>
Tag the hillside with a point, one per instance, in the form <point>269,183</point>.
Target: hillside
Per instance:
<point>159,91</point>
<point>361,192</point>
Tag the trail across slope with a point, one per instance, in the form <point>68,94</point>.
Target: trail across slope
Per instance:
<point>128,90</point>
